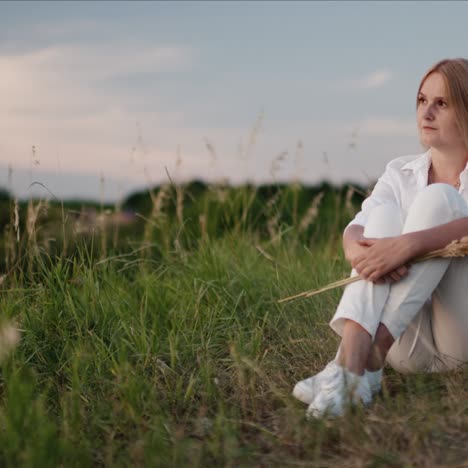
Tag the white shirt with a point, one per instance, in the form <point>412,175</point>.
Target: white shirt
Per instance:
<point>402,180</point>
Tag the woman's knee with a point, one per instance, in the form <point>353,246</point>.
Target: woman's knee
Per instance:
<point>384,221</point>
<point>436,204</point>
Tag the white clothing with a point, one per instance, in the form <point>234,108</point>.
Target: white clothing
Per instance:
<point>402,180</point>
<point>428,309</point>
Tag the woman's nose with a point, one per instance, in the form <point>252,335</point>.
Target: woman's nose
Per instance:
<point>428,113</point>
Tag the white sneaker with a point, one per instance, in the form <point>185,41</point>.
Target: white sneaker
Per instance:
<point>306,390</point>
<point>375,381</point>
<point>343,389</point>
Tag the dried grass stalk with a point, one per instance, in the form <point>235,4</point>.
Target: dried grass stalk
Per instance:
<point>311,213</point>
<point>9,338</point>
<point>180,204</point>
<point>16,220</point>
<point>456,248</point>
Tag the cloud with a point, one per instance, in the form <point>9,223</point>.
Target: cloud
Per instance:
<point>383,127</point>
<point>103,61</point>
<point>373,80</point>
<point>68,81</point>
<point>54,30</point>
<point>38,89</point>
<point>53,98</point>
<point>376,79</point>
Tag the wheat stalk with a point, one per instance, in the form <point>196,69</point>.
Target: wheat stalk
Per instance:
<point>456,248</point>
<point>311,213</point>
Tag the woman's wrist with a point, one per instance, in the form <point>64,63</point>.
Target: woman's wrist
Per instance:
<point>414,244</point>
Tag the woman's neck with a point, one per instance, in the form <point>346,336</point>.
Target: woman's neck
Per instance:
<point>447,165</point>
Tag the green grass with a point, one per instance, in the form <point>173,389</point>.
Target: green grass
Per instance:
<point>182,357</point>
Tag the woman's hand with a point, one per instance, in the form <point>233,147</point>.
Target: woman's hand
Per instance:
<point>355,249</point>
<point>394,276</point>
<point>383,260</point>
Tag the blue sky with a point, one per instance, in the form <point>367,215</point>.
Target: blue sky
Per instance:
<point>256,91</point>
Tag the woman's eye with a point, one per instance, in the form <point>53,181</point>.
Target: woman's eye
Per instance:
<point>441,103</point>
<point>420,99</point>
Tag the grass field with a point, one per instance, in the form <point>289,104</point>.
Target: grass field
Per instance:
<point>164,344</point>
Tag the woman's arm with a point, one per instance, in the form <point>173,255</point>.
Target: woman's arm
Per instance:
<point>390,253</point>
<point>437,237</point>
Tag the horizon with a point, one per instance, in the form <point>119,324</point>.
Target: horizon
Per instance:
<point>36,189</point>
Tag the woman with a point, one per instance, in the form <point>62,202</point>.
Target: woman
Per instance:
<point>414,317</point>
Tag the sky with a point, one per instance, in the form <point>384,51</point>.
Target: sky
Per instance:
<point>99,99</point>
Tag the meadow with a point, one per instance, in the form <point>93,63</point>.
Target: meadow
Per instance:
<point>149,334</point>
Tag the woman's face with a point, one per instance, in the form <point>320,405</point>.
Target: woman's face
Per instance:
<point>436,116</point>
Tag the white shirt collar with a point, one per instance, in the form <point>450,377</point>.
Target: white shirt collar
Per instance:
<point>420,167</point>
<point>421,162</point>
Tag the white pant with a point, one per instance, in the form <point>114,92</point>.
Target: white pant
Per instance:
<point>427,311</point>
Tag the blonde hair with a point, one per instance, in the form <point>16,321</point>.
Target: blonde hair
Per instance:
<point>455,75</point>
